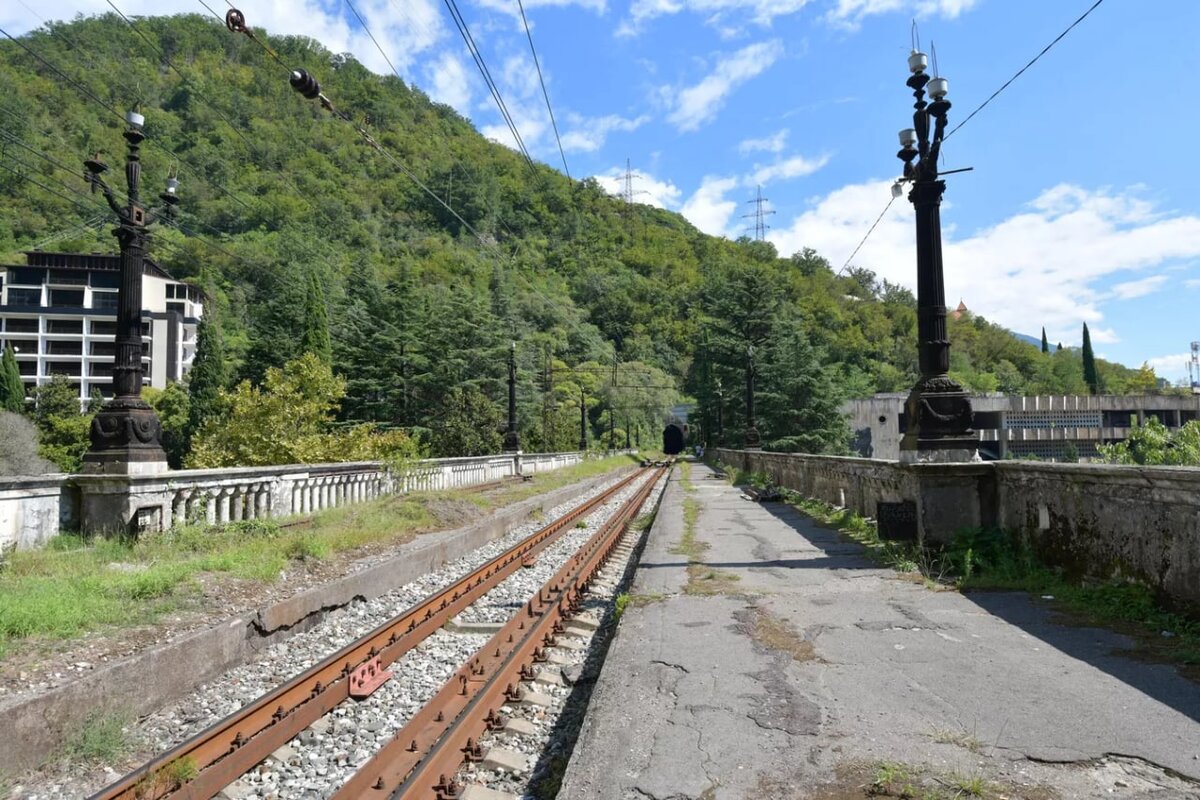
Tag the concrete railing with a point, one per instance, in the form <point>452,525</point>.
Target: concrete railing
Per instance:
<point>34,509</point>
<point>1099,520</point>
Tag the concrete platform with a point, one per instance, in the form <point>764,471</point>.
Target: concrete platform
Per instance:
<point>787,665</point>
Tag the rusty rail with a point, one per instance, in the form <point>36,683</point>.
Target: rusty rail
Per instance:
<point>220,754</point>
<point>420,761</point>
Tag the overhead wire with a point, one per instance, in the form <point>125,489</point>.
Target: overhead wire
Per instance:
<point>88,93</point>
<point>1018,73</point>
<point>456,162</point>
<point>465,31</point>
<point>545,94</point>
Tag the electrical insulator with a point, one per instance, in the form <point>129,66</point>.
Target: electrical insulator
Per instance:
<point>305,84</point>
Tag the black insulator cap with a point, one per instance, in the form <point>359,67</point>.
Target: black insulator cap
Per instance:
<point>305,84</point>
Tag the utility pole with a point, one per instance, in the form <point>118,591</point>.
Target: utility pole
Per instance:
<point>582,420</point>
<point>126,435</point>
<point>512,443</point>
<point>760,214</point>
<point>612,406</point>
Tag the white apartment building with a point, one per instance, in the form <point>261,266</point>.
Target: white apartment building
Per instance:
<point>59,313</point>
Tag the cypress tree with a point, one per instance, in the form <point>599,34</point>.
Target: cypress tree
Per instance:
<point>1045,343</point>
<point>208,376</point>
<point>315,337</point>
<point>12,390</point>
<point>1059,348</point>
<point>1090,376</point>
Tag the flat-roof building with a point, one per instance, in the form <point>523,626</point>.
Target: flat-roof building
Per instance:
<point>1012,426</point>
<point>59,312</point>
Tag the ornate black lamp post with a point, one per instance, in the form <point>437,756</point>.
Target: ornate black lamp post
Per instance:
<point>939,411</point>
<point>753,441</point>
<point>126,434</point>
<point>512,442</point>
<point>582,420</point>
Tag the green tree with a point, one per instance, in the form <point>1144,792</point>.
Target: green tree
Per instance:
<point>280,422</point>
<point>173,406</point>
<point>1045,342</point>
<point>208,377</point>
<point>12,390</point>
<point>1155,444</point>
<point>1143,381</point>
<point>1090,376</point>
<point>798,400</point>
<point>63,428</point>
<point>314,337</point>
<point>469,425</point>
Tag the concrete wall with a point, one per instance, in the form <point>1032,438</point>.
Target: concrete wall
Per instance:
<point>34,509</point>
<point>1104,521</point>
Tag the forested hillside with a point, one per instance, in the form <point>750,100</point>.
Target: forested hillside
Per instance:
<point>305,238</point>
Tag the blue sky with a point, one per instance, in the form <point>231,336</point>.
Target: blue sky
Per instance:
<point>1083,205</point>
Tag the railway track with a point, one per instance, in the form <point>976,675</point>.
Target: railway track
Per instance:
<point>217,756</point>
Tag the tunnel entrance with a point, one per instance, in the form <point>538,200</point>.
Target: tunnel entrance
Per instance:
<point>673,439</point>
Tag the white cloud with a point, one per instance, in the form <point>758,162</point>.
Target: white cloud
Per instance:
<point>405,28</point>
<point>849,13</point>
<point>1046,265</point>
<point>794,167</point>
<point>1139,288</point>
<point>448,82</point>
<point>775,143</point>
<point>589,134</point>
<point>1173,367</point>
<point>721,14</point>
<point>708,208</point>
<point>648,189</point>
<point>698,104</point>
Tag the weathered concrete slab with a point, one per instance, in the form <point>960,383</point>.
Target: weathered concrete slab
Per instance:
<point>508,760</point>
<point>811,661</point>
<point>477,792</point>
<point>36,725</point>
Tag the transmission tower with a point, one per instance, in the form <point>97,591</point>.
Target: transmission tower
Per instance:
<point>760,214</point>
<point>627,190</point>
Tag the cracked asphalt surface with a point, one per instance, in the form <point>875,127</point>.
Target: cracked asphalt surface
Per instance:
<point>691,703</point>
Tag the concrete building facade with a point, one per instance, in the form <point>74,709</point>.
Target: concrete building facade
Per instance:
<point>59,312</point>
<point>1010,426</point>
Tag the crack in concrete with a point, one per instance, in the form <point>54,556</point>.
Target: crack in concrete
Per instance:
<point>672,666</point>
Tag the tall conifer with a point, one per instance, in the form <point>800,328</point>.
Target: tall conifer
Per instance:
<point>1045,342</point>
<point>208,376</point>
<point>315,336</point>
<point>1090,376</point>
<point>12,390</point>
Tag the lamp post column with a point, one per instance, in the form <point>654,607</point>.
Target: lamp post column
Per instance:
<point>938,409</point>
<point>126,435</point>
<point>512,442</point>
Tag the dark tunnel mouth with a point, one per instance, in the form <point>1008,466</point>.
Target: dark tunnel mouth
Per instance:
<point>673,439</point>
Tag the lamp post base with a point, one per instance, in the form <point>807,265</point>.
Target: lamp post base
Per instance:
<point>753,440</point>
<point>126,440</point>
<point>939,423</point>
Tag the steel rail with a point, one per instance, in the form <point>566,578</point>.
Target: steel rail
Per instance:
<point>213,758</point>
<point>422,757</point>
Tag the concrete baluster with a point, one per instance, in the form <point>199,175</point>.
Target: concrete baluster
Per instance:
<point>211,495</point>
<point>237,503</point>
<point>179,507</point>
<point>224,494</point>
